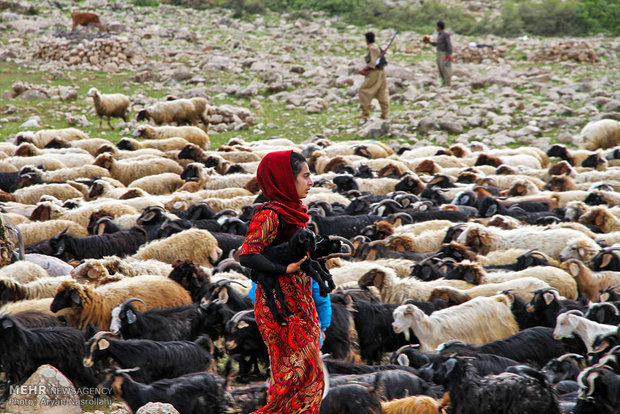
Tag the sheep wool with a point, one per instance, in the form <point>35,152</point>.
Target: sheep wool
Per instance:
<point>109,105</point>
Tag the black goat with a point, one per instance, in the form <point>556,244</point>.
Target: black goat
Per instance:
<point>343,225</point>
<point>397,383</point>
<point>531,346</point>
<point>604,312</point>
<point>354,398</point>
<point>178,323</point>
<point>23,350</point>
<point>298,247</point>
<point>546,305</point>
<point>245,344</point>
<point>562,368</point>
<point>122,243</point>
<point>599,394</point>
<point>156,360</point>
<point>506,393</point>
<point>197,393</point>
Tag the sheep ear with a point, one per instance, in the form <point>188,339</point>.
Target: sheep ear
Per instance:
<point>223,295</point>
<point>469,277</point>
<point>605,260</point>
<point>131,316</point>
<point>581,251</point>
<point>573,269</point>
<point>103,344</point>
<point>599,219</point>
<point>548,298</point>
<point>75,297</point>
<point>92,273</point>
<point>403,360</point>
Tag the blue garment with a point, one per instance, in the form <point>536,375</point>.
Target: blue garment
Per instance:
<point>323,304</point>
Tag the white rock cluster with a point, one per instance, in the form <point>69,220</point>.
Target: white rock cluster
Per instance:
<point>109,52</point>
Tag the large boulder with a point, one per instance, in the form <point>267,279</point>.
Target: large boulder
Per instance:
<point>46,391</point>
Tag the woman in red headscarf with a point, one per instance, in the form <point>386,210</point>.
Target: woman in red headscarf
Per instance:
<point>296,369</point>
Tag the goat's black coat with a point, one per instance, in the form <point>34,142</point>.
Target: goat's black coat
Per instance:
<point>156,360</point>
<point>506,393</point>
<point>197,393</point>
<point>23,350</point>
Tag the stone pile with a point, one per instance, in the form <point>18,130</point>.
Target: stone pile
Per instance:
<point>569,50</point>
<point>90,50</point>
<point>228,117</point>
<point>478,53</point>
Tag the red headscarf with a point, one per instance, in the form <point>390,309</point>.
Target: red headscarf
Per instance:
<point>276,181</point>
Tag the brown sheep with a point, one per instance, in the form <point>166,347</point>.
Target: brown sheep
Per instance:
<point>94,306</point>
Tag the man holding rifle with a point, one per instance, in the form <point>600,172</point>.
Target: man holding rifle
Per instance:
<point>374,85</point>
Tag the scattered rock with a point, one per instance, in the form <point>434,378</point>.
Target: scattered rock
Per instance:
<point>157,408</point>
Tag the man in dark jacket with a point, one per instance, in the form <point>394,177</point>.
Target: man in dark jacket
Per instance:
<point>444,53</point>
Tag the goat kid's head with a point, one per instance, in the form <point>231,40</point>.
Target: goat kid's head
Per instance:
<point>307,239</point>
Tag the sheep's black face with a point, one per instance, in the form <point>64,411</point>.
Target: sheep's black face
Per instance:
<point>65,299</point>
<point>5,293</point>
<point>125,144</point>
<point>188,152</point>
<point>595,199</point>
<point>345,183</point>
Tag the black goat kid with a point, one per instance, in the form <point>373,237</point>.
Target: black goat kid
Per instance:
<point>299,246</point>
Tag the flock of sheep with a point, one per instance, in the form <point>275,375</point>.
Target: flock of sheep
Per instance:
<point>130,248</point>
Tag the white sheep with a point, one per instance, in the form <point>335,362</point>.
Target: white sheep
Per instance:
<point>192,134</point>
<point>158,184</point>
<point>571,323</point>
<point>590,283</point>
<point>167,144</point>
<point>81,215</point>
<point>33,193</point>
<point>109,105</point>
<point>196,245</point>
<point>522,287</point>
<point>394,290</point>
<point>580,249</point>
<point>179,111</point>
<point>129,170</point>
<point>604,133</point>
<point>23,272</point>
<point>551,275</point>
<point>476,322</point>
<point>549,241</point>
<point>43,137</point>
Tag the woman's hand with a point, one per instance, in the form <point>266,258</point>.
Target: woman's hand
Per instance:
<point>295,267</point>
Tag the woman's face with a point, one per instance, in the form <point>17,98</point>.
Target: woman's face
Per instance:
<point>303,182</point>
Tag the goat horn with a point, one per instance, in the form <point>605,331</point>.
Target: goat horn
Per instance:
<point>128,301</point>
<point>566,356</point>
<point>603,304</point>
<point>446,344</point>
<point>225,281</point>
<point>226,263</point>
<point>346,242</point>
<point>227,211</point>
<point>402,348</point>
<point>102,333</point>
<point>591,379</point>
<point>575,312</point>
<point>240,315</point>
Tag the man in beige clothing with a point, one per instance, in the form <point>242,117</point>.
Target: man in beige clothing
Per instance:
<point>374,85</point>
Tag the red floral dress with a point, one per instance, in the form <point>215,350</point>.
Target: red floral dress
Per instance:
<point>296,369</point>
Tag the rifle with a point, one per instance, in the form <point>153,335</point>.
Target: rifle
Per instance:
<point>381,61</point>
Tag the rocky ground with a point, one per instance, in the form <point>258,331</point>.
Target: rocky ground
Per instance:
<point>508,92</point>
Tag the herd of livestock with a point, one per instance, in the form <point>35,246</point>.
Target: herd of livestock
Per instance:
<point>474,280</point>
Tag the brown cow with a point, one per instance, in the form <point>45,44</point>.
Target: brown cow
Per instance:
<point>86,19</point>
